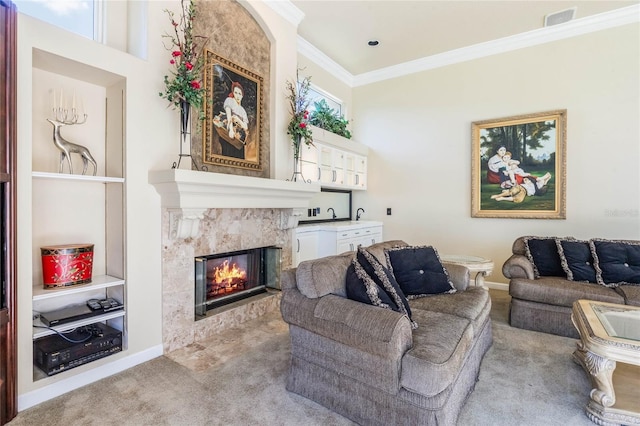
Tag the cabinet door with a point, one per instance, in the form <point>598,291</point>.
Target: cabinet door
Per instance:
<point>305,247</point>
<point>369,236</point>
<point>339,167</point>
<point>350,176</point>
<point>325,164</point>
<point>309,159</point>
<point>360,176</point>
<point>345,245</point>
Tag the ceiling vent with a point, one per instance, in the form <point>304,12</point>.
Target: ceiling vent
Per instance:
<point>560,17</point>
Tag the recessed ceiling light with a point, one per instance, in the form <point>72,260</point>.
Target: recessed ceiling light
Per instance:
<point>373,43</point>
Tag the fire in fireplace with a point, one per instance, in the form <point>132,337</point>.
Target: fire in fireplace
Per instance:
<point>225,278</point>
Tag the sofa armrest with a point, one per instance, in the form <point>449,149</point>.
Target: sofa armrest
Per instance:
<point>518,266</point>
<point>375,330</point>
<point>458,274</point>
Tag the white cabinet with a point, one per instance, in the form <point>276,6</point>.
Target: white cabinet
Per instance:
<point>339,239</point>
<point>355,171</point>
<point>331,238</point>
<point>334,161</point>
<point>309,160</point>
<point>305,244</point>
<point>79,209</point>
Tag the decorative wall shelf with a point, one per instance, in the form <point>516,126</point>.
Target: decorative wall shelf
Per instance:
<point>68,176</point>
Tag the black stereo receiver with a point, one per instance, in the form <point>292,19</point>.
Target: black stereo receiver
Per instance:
<point>53,354</point>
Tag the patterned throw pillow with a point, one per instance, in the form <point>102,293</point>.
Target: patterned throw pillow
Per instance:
<point>419,271</point>
<point>576,260</point>
<point>369,281</point>
<point>542,252</point>
<point>616,262</point>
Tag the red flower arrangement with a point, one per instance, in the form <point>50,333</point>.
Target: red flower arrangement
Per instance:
<point>184,82</point>
<point>298,128</point>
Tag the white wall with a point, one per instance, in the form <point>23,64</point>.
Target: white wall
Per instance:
<point>418,129</point>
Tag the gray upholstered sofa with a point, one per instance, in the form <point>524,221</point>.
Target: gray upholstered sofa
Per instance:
<point>544,303</point>
<point>366,362</point>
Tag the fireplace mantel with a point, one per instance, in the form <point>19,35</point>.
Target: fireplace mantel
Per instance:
<point>187,194</point>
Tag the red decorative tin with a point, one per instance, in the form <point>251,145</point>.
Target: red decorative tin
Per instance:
<point>66,265</point>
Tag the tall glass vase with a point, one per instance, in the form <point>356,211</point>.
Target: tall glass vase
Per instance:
<point>185,135</point>
<point>297,169</point>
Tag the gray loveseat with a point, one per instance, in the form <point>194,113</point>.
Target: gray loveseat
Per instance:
<point>544,303</point>
<point>366,363</point>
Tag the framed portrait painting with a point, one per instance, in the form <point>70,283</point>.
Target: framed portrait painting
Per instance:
<point>518,166</point>
<point>232,128</point>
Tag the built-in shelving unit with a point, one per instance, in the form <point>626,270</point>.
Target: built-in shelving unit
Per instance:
<point>74,208</point>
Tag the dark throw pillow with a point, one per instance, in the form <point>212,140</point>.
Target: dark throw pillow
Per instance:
<point>369,281</point>
<point>419,271</point>
<point>576,260</point>
<point>362,288</point>
<point>542,252</point>
<point>616,262</point>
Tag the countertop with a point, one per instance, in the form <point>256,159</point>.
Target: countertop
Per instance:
<point>344,225</point>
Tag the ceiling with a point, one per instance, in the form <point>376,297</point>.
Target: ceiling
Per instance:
<point>409,30</point>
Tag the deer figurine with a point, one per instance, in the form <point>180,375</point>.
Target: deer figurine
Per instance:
<point>67,148</point>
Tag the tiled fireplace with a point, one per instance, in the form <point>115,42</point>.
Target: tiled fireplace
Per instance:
<point>208,213</point>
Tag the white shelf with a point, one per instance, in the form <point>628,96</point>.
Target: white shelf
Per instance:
<point>81,178</point>
<point>41,332</point>
<point>97,282</point>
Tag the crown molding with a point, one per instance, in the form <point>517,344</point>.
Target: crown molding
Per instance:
<point>577,27</point>
<point>314,54</point>
<point>589,24</point>
<point>287,10</point>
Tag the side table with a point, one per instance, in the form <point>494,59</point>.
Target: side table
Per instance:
<point>481,266</point>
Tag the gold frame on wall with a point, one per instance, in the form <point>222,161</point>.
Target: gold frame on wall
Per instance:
<point>242,147</point>
<point>532,184</point>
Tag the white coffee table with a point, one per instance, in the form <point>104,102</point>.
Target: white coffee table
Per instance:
<point>481,266</point>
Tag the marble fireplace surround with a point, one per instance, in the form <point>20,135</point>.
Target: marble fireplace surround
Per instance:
<point>205,213</point>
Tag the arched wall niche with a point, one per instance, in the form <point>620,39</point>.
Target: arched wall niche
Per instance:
<point>236,35</point>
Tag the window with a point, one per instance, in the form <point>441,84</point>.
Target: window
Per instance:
<point>78,16</point>
<point>316,95</point>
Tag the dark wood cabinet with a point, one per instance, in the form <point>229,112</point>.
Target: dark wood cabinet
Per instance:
<point>8,302</point>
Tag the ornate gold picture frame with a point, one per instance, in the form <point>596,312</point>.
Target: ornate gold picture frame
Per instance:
<point>518,167</point>
<point>232,128</point>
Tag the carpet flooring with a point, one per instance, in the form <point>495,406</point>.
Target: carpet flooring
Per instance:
<point>238,378</point>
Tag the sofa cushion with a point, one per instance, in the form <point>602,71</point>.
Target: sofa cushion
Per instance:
<point>576,260</point>
<point>319,277</point>
<point>418,271</point>
<point>473,304</point>
<point>369,281</point>
<point>440,347</point>
<point>616,262</point>
<point>560,292</point>
<point>543,254</point>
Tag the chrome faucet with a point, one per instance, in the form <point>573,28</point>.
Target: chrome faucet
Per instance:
<point>333,213</point>
<point>358,213</point>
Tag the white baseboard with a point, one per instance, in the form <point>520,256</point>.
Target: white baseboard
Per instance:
<point>35,397</point>
<point>496,286</point>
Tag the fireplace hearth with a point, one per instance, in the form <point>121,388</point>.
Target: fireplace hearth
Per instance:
<point>224,278</point>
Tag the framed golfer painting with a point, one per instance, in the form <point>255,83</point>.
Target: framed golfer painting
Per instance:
<point>232,128</point>
<point>518,166</point>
